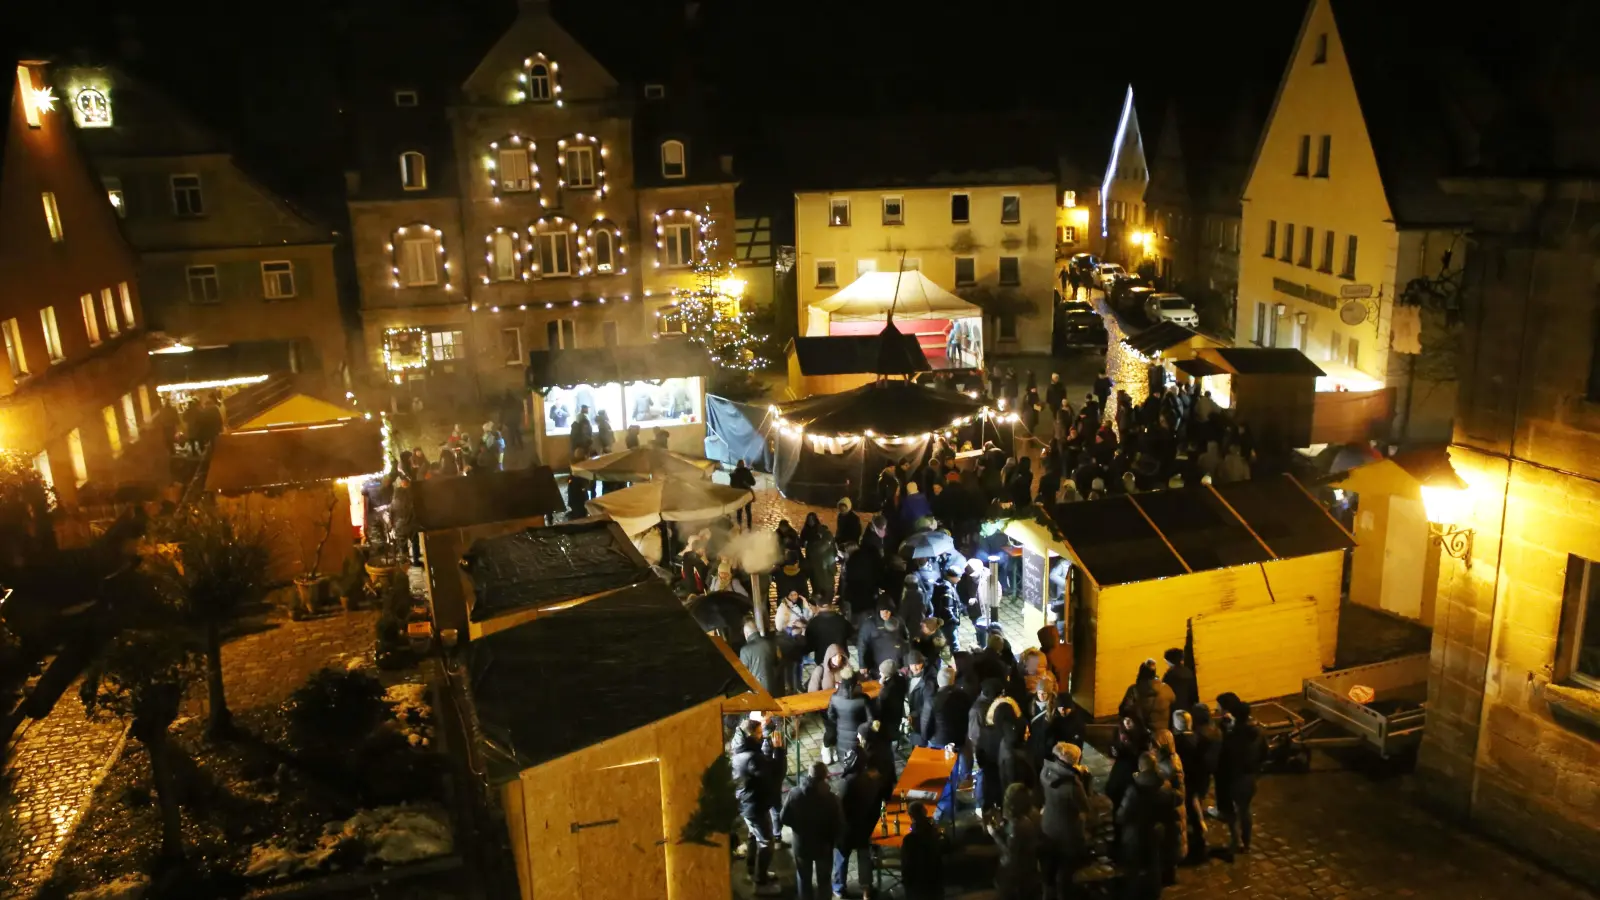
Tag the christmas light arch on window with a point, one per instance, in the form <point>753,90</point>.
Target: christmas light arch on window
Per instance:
<point>591,261</point>
<point>397,240</point>
<point>679,217</point>
<point>536,70</point>
<point>497,181</point>
<point>522,252</point>
<point>553,225</point>
<point>597,157</point>
<point>396,364</point>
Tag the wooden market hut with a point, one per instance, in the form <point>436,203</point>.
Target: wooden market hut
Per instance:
<point>1395,566</point>
<point>1246,574</point>
<point>835,363</point>
<point>596,723</point>
<point>280,400</point>
<point>453,513</point>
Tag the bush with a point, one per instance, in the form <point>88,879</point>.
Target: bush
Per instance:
<point>335,709</point>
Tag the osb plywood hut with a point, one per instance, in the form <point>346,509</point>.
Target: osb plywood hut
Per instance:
<point>1149,566</point>
<point>596,723</point>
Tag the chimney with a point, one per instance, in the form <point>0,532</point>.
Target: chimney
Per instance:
<point>727,163</point>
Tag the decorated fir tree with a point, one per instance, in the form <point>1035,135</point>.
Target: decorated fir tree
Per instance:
<point>710,313</point>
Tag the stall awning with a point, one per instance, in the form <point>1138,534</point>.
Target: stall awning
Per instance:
<point>279,401</point>
<point>888,353</point>
<point>590,672</point>
<point>888,408</point>
<point>495,497</point>
<point>300,454</point>
<point>665,357</point>
<point>910,294</point>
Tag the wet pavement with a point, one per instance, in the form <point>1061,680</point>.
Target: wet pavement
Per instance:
<point>262,667</point>
<point>52,769</point>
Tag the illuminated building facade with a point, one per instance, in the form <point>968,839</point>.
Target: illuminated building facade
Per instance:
<point>75,390</point>
<point>535,203</point>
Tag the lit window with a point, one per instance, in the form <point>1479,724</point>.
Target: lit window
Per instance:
<point>444,345</point>
<point>863,266</point>
<point>555,254</point>
<point>34,101</point>
<point>827,273</point>
<point>52,216</point>
<point>14,353</point>
<point>1010,270</point>
<point>602,251</point>
<point>144,403</point>
<point>504,257</point>
<point>80,471</point>
<point>966,270</point>
<point>187,199</point>
<point>513,169</point>
<point>41,464</point>
<point>911,264</point>
<point>1069,199</point>
<point>561,334</point>
<point>538,83</point>
<point>52,334</point>
<point>960,208</point>
<point>580,167</point>
<point>203,284</point>
<point>108,310</point>
<point>405,98</point>
<point>419,262</point>
<point>894,210</point>
<point>511,346</point>
<point>113,437</point>
<point>839,211</point>
<point>128,318</point>
<point>114,195</point>
<point>1579,639</point>
<point>90,326</point>
<point>672,159</point>
<point>413,171</point>
<point>678,242</point>
<point>655,91</point>
<point>1010,209</point>
<point>91,108</point>
<point>277,279</point>
<point>130,418</point>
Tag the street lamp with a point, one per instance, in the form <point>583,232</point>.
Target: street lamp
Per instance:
<point>1447,502</point>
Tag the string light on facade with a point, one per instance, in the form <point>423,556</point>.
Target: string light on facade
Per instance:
<point>397,240</point>
<point>396,359</point>
<point>535,68</point>
<point>592,263</point>
<point>498,183</point>
<point>597,159</point>
<point>520,249</point>
<point>792,429</point>
<point>673,217</point>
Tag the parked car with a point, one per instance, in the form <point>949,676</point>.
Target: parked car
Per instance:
<point>1081,326</point>
<point>1083,263</point>
<point>1107,273</point>
<point>1171,308</point>
<point>1127,293</point>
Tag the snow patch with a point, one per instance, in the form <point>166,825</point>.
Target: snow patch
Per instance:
<point>128,887</point>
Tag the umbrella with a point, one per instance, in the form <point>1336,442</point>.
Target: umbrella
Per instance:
<point>643,464</point>
<point>638,507</point>
<point>928,544</point>
<point>723,612</point>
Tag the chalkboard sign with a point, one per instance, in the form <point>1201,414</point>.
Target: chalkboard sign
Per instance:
<point>1033,579</point>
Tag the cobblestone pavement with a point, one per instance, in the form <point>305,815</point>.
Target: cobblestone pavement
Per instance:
<point>262,668</point>
<point>53,768</point>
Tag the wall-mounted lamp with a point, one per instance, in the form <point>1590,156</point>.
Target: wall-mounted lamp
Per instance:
<point>1446,499</point>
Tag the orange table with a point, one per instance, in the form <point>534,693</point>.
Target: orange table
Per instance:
<point>792,707</point>
<point>926,772</point>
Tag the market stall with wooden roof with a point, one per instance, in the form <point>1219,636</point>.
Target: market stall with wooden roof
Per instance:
<point>1248,574</point>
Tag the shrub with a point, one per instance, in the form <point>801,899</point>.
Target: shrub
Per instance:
<point>335,709</point>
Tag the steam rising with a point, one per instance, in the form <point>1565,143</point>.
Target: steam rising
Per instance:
<point>754,551</point>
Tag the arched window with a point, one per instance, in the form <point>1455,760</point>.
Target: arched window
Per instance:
<point>539,83</point>
<point>672,159</point>
<point>413,171</point>
<point>603,251</point>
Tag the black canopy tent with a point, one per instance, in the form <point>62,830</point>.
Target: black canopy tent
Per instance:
<point>833,445</point>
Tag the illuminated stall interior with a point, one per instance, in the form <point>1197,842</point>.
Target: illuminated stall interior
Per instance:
<point>657,385</point>
<point>948,328</point>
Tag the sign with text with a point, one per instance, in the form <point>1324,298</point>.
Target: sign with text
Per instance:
<point>1033,579</point>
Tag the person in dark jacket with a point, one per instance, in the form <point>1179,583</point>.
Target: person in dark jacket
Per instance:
<point>815,820</point>
<point>742,478</point>
<point>915,604</point>
<point>1147,811</point>
<point>1148,701</point>
<point>847,711</point>
<point>822,562</point>
<point>758,773</point>
<point>1199,746</point>
<point>922,858</point>
<point>874,751</point>
<point>1238,765</point>
<point>880,639</point>
<point>1058,721</point>
<point>1179,677</point>
<point>919,686</point>
<point>826,628</point>
<point>947,603</point>
<point>791,576</point>
<point>760,654</point>
<point>862,801</point>
<point>1131,740</point>
<point>862,572</point>
<point>1065,820</point>
<point>1018,838</point>
<point>847,525</point>
<point>889,707</point>
<point>944,725</point>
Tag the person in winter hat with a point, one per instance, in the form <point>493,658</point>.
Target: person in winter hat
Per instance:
<point>1149,808</point>
<point>1066,816</point>
<point>847,711</point>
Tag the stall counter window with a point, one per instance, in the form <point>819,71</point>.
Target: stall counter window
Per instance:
<point>672,401</point>
<point>561,406</point>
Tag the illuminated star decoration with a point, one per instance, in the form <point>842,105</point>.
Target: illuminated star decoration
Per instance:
<point>44,99</point>
<point>710,313</point>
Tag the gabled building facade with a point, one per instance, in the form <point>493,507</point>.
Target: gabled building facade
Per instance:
<point>1342,213</point>
<point>521,209</point>
<point>75,390</point>
<point>224,260</point>
<point>1123,236</point>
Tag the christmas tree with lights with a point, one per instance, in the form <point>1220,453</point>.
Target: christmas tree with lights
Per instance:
<point>710,313</point>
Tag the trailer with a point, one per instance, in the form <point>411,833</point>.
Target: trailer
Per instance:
<point>1391,721</point>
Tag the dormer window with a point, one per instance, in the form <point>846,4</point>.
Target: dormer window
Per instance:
<point>413,171</point>
<point>539,80</point>
<point>539,83</point>
<point>405,98</point>
<point>655,91</point>
<point>672,159</point>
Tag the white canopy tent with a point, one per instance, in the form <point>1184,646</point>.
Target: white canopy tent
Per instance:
<point>644,505</point>
<point>949,328</point>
